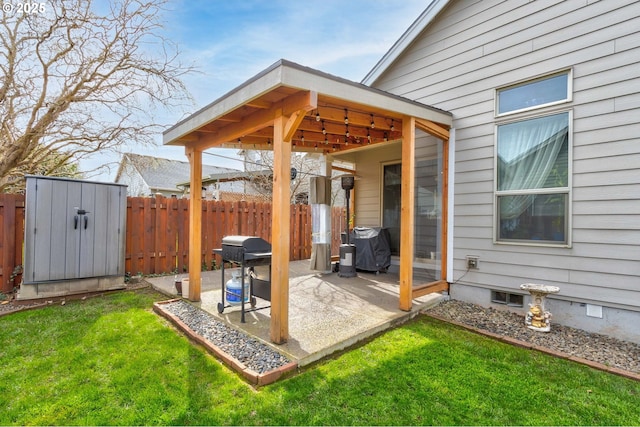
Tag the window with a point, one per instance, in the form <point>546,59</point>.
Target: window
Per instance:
<point>534,94</point>
<point>513,300</point>
<point>532,167</point>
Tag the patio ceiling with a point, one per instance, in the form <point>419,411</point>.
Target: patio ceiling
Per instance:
<point>334,114</point>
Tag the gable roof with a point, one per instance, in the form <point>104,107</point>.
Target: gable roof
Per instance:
<point>405,40</point>
<point>246,114</point>
<point>165,174</point>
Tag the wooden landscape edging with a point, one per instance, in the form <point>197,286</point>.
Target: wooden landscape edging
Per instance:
<point>248,374</point>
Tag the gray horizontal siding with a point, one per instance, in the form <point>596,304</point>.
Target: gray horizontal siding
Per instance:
<point>474,47</point>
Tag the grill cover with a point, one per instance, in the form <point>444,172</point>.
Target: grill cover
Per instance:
<point>372,248</point>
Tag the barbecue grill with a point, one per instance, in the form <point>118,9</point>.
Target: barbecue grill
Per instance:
<point>248,252</point>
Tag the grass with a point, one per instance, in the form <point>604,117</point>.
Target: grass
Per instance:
<point>111,361</point>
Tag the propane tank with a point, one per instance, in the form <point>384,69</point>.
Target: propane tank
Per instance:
<point>234,289</point>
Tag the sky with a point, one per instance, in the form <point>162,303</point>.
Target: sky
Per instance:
<point>230,41</point>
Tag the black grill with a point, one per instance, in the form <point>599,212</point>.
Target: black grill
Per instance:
<point>248,252</point>
<point>241,249</point>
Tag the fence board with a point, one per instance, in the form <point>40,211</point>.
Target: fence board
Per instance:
<point>172,233</point>
<point>157,239</point>
<point>161,235</point>
<point>11,238</point>
<point>183,234</point>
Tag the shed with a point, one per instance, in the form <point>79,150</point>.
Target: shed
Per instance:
<point>74,237</point>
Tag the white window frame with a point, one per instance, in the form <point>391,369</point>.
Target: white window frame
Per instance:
<point>569,98</point>
<point>526,114</point>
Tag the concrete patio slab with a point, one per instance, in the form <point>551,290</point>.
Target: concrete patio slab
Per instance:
<point>327,313</point>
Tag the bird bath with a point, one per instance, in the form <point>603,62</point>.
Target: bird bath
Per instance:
<point>538,318</point>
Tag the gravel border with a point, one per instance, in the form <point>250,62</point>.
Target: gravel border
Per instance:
<point>254,354</point>
<point>576,343</point>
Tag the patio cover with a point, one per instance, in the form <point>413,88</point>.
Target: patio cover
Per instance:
<point>289,107</point>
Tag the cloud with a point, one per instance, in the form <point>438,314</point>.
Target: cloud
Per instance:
<point>232,41</point>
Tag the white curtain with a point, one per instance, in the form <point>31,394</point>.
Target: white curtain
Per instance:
<point>527,153</point>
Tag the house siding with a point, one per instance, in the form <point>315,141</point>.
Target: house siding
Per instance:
<point>130,177</point>
<point>368,190</point>
<point>456,64</point>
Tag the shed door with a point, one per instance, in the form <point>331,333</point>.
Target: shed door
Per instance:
<point>73,229</point>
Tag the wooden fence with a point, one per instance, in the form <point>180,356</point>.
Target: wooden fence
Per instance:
<point>11,240</point>
<point>157,239</point>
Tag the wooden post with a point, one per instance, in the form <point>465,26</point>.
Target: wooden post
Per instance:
<point>445,210</point>
<point>407,212</point>
<point>280,230</point>
<point>195,222</point>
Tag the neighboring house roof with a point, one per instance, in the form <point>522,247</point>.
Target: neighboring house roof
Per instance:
<point>235,176</point>
<point>230,196</point>
<point>227,176</point>
<point>164,174</point>
<point>405,40</point>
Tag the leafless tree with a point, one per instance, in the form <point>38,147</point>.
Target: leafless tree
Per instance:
<point>78,78</point>
<point>259,164</point>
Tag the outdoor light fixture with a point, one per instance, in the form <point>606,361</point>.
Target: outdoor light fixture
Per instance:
<point>373,125</point>
<point>346,117</point>
<point>324,131</point>
<point>385,137</point>
<point>346,131</point>
<point>326,140</point>
<point>392,126</point>
<point>302,136</point>
<point>317,115</point>
<point>368,136</point>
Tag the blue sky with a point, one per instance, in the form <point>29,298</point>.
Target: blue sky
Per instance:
<point>230,41</point>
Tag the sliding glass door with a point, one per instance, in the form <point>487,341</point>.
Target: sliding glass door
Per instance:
<point>428,219</point>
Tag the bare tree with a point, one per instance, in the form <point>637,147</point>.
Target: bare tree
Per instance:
<point>78,78</point>
<point>259,165</point>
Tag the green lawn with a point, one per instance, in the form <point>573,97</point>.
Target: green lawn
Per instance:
<point>110,360</point>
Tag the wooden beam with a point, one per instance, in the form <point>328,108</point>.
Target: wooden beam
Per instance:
<point>444,209</point>
<point>280,230</point>
<point>433,129</point>
<point>195,222</point>
<point>407,212</point>
<point>260,119</point>
<point>292,124</point>
<point>429,288</point>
